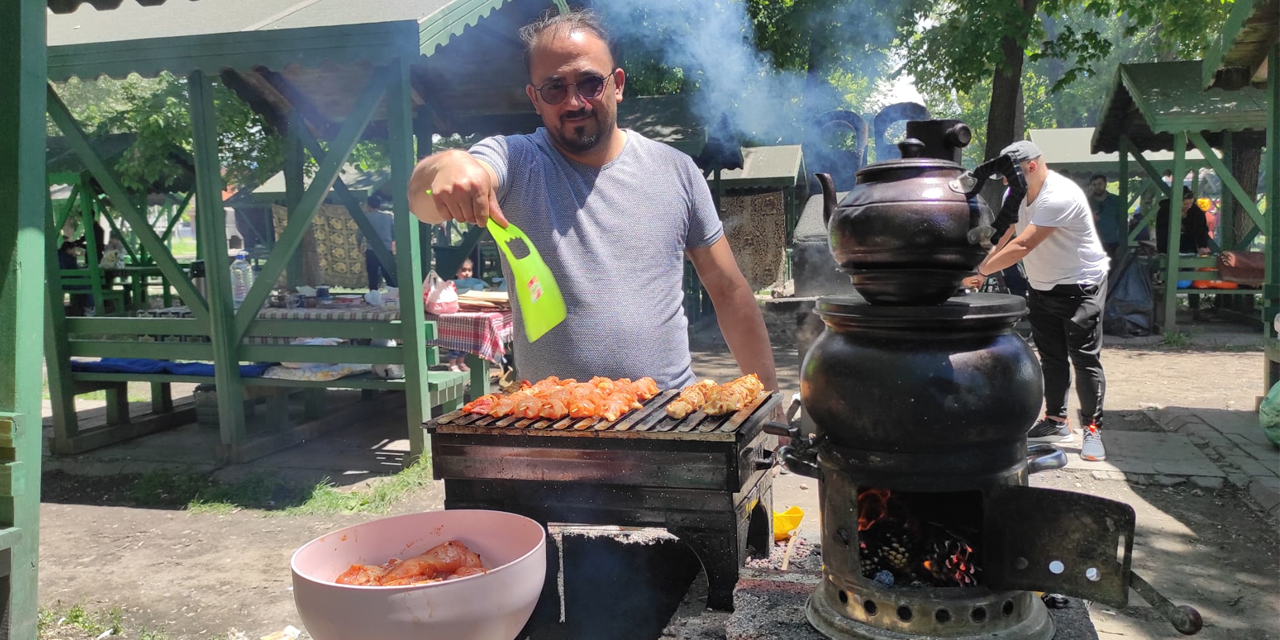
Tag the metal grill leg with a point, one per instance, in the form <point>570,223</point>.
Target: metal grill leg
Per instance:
<point>721,554</point>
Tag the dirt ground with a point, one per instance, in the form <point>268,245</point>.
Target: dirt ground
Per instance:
<point>190,575</point>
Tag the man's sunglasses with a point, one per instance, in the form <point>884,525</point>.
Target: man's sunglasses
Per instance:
<point>556,91</point>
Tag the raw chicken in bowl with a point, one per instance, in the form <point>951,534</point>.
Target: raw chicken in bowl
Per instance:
<point>493,605</point>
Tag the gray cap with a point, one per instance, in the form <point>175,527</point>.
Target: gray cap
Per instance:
<point>1022,151</point>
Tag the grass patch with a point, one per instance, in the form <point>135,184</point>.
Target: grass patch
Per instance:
<point>72,623</point>
<point>203,494</point>
<point>1175,340</point>
<point>326,499</point>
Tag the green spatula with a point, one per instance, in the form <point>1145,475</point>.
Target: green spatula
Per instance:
<point>541,305</point>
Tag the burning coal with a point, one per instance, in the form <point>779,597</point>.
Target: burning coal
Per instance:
<point>905,541</point>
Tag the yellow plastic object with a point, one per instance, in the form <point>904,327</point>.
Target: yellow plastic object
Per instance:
<point>785,522</point>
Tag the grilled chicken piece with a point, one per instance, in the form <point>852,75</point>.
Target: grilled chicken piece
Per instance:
<point>482,404</point>
<point>690,398</point>
<point>733,396</point>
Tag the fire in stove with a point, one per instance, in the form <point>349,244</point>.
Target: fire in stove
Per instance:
<point>915,540</point>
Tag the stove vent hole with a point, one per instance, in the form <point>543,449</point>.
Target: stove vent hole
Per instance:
<point>1120,549</point>
<point>1007,609</point>
<point>942,616</point>
<point>844,597</point>
<point>1093,574</point>
<point>868,606</point>
<point>1056,567</point>
<point>904,613</point>
<point>1021,564</point>
<point>978,615</point>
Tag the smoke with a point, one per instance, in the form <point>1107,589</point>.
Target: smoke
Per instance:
<point>734,89</point>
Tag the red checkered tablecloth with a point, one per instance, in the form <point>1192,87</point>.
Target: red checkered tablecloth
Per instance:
<point>483,333</point>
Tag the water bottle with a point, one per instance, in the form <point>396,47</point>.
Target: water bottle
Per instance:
<point>241,278</point>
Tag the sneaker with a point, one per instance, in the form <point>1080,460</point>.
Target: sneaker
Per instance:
<point>1092,449</point>
<point>1050,430</point>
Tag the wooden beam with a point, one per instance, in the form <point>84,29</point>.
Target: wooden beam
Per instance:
<point>212,234</point>
<point>294,187</point>
<point>1125,237</point>
<point>1155,173</point>
<point>62,117</point>
<point>349,201</point>
<point>1229,181</point>
<point>321,183</point>
<point>173,219</point>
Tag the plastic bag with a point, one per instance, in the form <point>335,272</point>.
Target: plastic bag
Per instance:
<point>439,295</point>
<point>1130,302</point>
<point>1269,414</point>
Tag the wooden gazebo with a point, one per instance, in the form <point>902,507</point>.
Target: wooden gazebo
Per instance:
<point>1163,106</point>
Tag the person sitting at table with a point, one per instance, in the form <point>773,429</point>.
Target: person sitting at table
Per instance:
<point>113,254</point>
<point>1194,239</point>
<point>69,258</point>
<point>463,282</point>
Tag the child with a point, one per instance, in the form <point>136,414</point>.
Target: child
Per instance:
<point>464,283</point>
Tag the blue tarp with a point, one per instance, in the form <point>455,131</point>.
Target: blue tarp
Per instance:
<point>143,365</point>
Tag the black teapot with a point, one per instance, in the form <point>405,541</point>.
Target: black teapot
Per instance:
<point>913,228</point>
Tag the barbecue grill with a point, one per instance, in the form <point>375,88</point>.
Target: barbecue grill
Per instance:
<point>706,479</point>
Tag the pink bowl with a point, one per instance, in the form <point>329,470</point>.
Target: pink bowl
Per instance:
<point>491,606</point>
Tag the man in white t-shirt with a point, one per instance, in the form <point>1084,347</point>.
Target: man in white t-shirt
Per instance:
<point>1058,244</point>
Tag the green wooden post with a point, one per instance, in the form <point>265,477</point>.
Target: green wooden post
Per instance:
<point>1175,233</point>
<point>1122,224</point>
<point>1272,287</point>
<point>23,216</point>
<point>57,355</point>
<point>212,235</point>
<point>1226,205</point>
<point>293,188</point>
<point>400,133</point>
<point>423,129</point>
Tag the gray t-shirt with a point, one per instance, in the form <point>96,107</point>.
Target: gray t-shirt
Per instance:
<point>1073,254</point>
<point>615,239</point>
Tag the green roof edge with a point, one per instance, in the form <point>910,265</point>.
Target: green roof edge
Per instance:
<point>435,32</point>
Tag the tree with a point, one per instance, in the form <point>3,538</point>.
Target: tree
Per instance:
<point>156,111</point>
<point>967,42</point>
<point>1051,99</point>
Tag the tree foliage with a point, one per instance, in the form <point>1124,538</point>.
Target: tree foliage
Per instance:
<point>156,111</point>
<point>1073,48</point>
<point>956,47</point>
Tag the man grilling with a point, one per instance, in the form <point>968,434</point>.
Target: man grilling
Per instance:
<point>1067,267</point>
<point>612,213</point>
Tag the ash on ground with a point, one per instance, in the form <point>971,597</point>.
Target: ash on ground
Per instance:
<point>806,555</point>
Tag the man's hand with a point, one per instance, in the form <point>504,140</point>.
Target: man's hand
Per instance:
<point>973,282</point>
<point>453,185</point>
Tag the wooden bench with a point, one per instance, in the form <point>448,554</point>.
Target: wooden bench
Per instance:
<point>445,389</point>
<point>82,282</point>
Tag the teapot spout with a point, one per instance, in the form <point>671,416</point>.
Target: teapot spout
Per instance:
<point>828,197</point>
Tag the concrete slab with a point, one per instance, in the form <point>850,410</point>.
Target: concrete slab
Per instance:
<point>1243,424</point>
<point>1146,453</point>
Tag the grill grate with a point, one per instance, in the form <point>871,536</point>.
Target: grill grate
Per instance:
<point>649,418</point>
